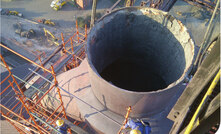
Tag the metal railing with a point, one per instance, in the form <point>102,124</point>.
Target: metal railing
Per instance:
<point>30,109</point>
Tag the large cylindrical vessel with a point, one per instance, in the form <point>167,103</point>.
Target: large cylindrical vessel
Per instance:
<point>138,57</point>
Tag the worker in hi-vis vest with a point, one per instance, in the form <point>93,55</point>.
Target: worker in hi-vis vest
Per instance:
<point>139,127</point>
<point>62,127</point>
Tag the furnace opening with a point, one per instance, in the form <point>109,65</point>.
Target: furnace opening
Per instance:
<point>136,53</point>
<point>132,76</point>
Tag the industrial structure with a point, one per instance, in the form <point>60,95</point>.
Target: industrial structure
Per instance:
<point>21,98</point>
<point>135,62</point>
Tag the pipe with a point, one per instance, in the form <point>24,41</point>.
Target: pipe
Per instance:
<point>93,13</point>
<point>204,39</point>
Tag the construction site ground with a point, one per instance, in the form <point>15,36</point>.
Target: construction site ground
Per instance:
<point>32,11</point>
<point>193,17</point>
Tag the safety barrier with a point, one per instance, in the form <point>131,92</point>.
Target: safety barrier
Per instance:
<point>27,107</point>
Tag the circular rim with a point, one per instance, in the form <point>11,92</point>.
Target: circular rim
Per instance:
<point>178,81</point>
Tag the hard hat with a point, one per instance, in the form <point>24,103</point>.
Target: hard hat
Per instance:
<point>135,131</point>
<point>60,122</point>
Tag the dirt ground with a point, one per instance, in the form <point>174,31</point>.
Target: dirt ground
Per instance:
<point>37,9</point>
<point>34,9</point>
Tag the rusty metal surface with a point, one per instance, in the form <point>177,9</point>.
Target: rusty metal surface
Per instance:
<point>118,99</point>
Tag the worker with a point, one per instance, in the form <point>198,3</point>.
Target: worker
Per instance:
<point>62,127</point>
<point>139,127</point>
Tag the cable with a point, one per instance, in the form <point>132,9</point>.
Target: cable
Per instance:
<point>196,63</point>
<point>78,98</point>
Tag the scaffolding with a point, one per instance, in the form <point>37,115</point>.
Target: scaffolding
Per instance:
<point>22,98</point>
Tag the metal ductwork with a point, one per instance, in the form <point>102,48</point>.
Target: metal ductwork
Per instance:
<point>138,57</point>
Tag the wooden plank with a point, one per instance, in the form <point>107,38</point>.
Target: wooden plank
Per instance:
<point>202,77</point>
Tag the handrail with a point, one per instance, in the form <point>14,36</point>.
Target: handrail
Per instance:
<point>23,103</point>
<point>126,119</point>
<point>58,91</point>
<point>5,79</point>
<point>24,58</point>
<point>35,87</point>
<point>39,66</point>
